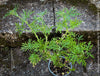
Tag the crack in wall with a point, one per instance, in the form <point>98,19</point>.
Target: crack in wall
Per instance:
<point>54,17</point>
<point>53,2</point>
<point>10,38</point>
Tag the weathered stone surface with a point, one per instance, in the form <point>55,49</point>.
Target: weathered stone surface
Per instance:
<point>88,17</point>
<point>16,63</point>
<point>13,40</point>
<point>3,2</point>
<point>9,37</point>
<point>96,3</point>
<point>8,24</point>
<point>98,21</point>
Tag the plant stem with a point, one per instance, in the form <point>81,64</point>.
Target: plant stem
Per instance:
<point>29,27</point>
<point>65,34</point>
<point>46,38</point>
<point>46,42</point>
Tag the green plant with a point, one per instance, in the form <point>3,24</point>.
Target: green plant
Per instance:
<point>66,45</point>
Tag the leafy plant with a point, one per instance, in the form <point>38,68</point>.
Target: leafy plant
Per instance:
<point>66,45</point>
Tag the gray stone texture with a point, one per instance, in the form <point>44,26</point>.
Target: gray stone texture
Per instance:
<point>96,3</point>
<point>3,2</point>
<point>8,35</point>
<point>89,14</point>
<point>16,63</point>
<point>88,18</point>
<point>8,24</point>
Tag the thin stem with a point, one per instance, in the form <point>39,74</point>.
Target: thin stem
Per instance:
<point>45,43</point>
<point>29,27</point>
<point>65,34</point>
<point>46,38</point>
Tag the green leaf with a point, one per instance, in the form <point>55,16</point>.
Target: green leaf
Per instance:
<point>28,46</point>
<point>34,59</point>
<point>74,23</point>
<point>11,12</point>
<point>26,14</point>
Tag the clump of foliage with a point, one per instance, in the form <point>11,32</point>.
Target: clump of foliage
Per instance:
<point>66,45</point>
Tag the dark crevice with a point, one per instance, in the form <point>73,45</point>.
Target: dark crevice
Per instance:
<point>53,2</point>
<point>84,69</point>
<point>54,28</point>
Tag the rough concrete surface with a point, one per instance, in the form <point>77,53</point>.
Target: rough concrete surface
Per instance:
<point>16,63</point>
<point>88,11</point>
<point>90,16</point>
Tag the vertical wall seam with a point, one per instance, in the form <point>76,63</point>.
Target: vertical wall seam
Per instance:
<point>98,37</point>
<point>53,4</point>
